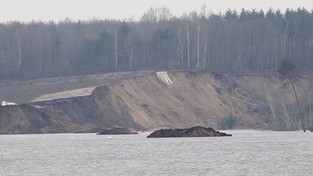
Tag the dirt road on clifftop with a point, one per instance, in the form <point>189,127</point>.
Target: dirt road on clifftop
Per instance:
<point>61,87</point>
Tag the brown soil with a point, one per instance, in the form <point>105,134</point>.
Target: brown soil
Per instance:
<point>144,102</point>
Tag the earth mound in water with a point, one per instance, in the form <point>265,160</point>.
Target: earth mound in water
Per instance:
<point>196,131</point>
<point>117,130</point>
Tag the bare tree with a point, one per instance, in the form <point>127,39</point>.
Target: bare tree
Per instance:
<point>287,70</point>
<point>116,49</point>
<point>198,47</point>
<point>188,46</point>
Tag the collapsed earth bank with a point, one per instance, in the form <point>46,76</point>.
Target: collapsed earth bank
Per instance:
<point>175,99</point>
<point>196,131</point>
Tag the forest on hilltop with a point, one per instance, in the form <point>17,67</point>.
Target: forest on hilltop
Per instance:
<point>248,40</point>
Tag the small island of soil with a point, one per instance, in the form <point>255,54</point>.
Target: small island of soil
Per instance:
<point>117,130</point>
<point>196,131</point>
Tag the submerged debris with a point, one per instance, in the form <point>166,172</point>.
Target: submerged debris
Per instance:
<point>117,130</point>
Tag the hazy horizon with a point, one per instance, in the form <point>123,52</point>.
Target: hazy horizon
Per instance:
<point>38,10</point>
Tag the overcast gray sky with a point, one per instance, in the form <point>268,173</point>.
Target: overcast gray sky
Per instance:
<point>45,10</point>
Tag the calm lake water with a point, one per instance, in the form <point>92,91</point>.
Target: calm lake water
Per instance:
<point>246,153</point>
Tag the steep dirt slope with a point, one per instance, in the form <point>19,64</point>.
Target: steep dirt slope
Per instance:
<point>146,103</point>
<point>192,99</point>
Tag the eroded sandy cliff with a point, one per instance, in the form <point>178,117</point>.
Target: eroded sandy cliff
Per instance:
<point>146,102</point>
